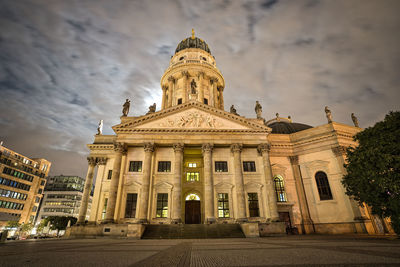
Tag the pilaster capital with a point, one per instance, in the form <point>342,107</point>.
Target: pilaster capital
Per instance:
<point>294,160</point>
<point>178,147</point>
<point>220,88</point>
<point>120,147</point>
<point>201,74</point>
<point>339,150</point>
<point>171,79</point>
<point>236,148</point>
<point>91,161</point>
<point>207,147</point>
<point>101,161</point>
<point>185,74</point>
<point>148,147</point>
<point>164,87</point>
<point>263,148</point>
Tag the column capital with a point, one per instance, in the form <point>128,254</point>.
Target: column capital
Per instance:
<point>101,161</point>
<point>178,147</point>
<point>213,80</point>
<point>236,148</point>
<point>201,74</point>
<point>171,79</point>
<point>185,73</point>
<point>120,147</point>
<point>263,148</point>
<point>207,147</point>
<point>148,147</point>
<point>164,87</point>
<point>339,150</point>
<point>294,160</point>
<point>91,161</point>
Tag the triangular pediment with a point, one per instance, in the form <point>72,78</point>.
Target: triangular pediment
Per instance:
<point>191,116</point>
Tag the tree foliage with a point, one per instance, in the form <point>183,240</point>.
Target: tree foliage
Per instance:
<point>12,224</point>
<point>373,169</point>
<point>58,222</point>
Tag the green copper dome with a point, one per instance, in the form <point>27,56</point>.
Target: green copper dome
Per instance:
<point>192,42</point>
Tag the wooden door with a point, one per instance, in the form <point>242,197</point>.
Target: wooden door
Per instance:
<point>285,217</point>
<point>192,212</point>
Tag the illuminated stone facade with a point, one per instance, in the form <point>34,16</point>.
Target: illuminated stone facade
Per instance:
<point>194,162</point>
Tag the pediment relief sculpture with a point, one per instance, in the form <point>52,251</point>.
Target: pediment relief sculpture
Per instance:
<point>193,120</point>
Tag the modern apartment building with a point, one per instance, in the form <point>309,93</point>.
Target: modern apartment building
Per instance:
<point>62,197</point>
<point>22,182</point>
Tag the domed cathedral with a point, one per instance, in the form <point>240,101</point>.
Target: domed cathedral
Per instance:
<point>192,163</point>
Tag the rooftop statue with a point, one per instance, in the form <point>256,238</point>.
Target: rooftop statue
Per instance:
<point>193,86</point>
<point>100,128</point>
<point>233,110</point>
<point>152,108</point>
<point>258,109</point>
<point>125,109</point>
<point>354,119</point>
<point>328,114</point>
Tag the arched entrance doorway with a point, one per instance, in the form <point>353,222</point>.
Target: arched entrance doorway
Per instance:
<point>192,209</point>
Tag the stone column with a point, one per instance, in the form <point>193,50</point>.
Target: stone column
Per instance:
<point>221,98</point>
<point>340,153</point>
<point>119,148</point>
<point>185,75</point>
<point>272,203</point>
<point>86,191</point>
<point>215,93</point>
<point>164,91</point>
<point>144,192</point>
<point>239,184</point>
<point>208,184</point>
<point>213,82</point>
<point>306,223</point>
<point>171,82</point>
<point>101,162</point>
<point>201,88</point>
<point>177,189</point>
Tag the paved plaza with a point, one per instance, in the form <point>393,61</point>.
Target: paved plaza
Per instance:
<point>271,251</point>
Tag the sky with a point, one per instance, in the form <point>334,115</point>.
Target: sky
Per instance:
<point>64,65</point>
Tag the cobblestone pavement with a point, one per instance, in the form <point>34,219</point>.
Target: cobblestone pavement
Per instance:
<point>271,251</point>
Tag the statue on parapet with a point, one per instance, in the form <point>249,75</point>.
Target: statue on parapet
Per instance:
<point>354,119</point>
<point>152,108</point>
<point>328,114</point>
<point>126,106</point>
<point>233,110</point>
<point>100,128</point>
<point>193,87</point>
<point>258,110</point>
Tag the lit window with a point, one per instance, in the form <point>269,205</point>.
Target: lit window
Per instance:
<point>223,205</point>
<point>221,166</point>
<point>192,165</point>
<point>135,166</point>
<point>280,189</point>
<point>164,166</point>
<point>162,205</point>
<point>103,214</point>
<point>192,176</point>
<point>192,197</point>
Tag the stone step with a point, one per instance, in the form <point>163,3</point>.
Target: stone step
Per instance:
<point>192,231</point>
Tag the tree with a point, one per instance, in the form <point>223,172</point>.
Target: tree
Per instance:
<point>26,228</point>
<point>12,224</point>
<point>57,222</point>
<point>373,169</point>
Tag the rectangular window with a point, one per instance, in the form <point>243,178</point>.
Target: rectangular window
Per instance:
<point>103,213</point>
<point>221,166</point>
<point>162,205</point>
<point>253,205</point>
<point>42,182</point>
<point>109,175</point>
<point>130,209</point>
<point>164,166</point>
<point>37,199</point>
<point>223,205</point>
<point>179,101</point>
<point>192,165</point>
<point>192,176</point>
<point>249,166</point>
<point>135,166</point>
<point>206,101</point>
<point>34,209</point>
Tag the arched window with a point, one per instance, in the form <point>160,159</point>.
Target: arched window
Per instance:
<point>323,186</point>
<point>280,189</point>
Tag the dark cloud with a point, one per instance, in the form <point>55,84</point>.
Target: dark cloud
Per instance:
<point>65,65</point>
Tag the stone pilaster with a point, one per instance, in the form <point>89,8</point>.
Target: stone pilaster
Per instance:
<point>185,75</point>
<point>86,190</point>
<point>201,88</point>
<point>263,149</point>
<point>144,192</point>
<point>101,162</point>
<point>236,149</point>
<point>177,189</point>
<point>215,93</point>
<point>213,82</point>
<point>119,150</point>
<point>171,82</point>
<point>306,223</point>
<point>221,98</point>
<point>208,184</point>
<point>164,94</point>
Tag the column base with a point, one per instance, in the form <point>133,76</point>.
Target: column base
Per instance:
<point>176,221</point>
<point>143,221</point>
<point>242,220</point>
<point>106,221</point>
<point>210,220</point>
